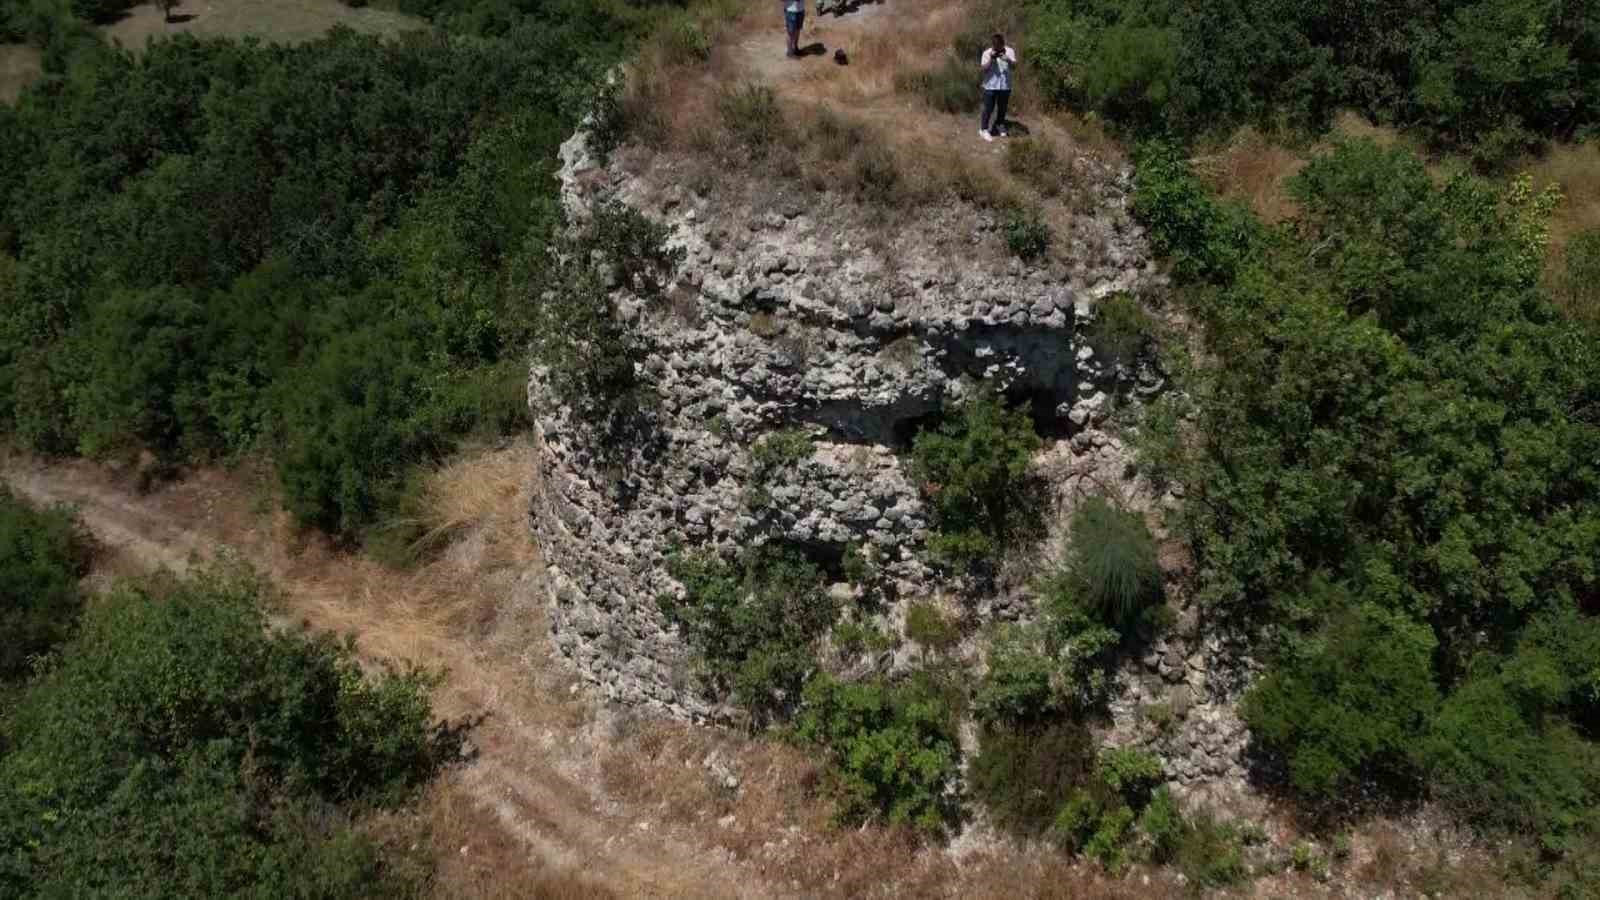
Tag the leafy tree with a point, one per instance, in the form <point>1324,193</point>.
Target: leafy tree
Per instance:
<point>179,746</point>
<point>753,625</point>
<point>42,555</point>
<point>973,467</point>
<point>1351,704</point>
<point>893,748</point>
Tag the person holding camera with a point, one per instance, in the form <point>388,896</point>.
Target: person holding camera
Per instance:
<point>996,64</point>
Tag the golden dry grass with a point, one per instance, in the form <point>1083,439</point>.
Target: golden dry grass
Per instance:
<point>20,65</point>
<point>1577,170</point>
<point>673,104</point>
<point>1252,169</point>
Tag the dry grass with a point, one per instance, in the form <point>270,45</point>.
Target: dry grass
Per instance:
<point>1577,170</point>
<point>286,21</point>
<point>20,65</point>
<point>852,129</point>
<point>1252,169</point>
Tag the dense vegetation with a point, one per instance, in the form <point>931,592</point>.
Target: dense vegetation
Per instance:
<point>1492,76</point>
<point>42,556</point>
<point>332,252</point>
<point>1397,472</point>
<point>172,744</point>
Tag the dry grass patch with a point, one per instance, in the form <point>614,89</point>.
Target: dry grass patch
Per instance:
<point>1253,169</point>
<point>475,858</point>
<point>20,66</point>
<point>285,21</point>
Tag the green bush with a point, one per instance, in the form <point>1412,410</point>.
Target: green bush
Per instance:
<point>1121,330</point>
<point>973,468</point>
<point>1111,564</point>
<point>893,749</point>
<point>43,553</point>
<point>1132,74</point>
<point>753,625</point>
<point>1024,777</point>
<point>1027,234</point>
<point>1055,666</point>
<point>1351,704</point>
<point>180,747</point>
<point>1205,241</point>
<point>928,627</point>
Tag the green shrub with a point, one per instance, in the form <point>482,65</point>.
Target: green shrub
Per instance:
<point>1055,666</point>
<point>973,468</point>
<point>1511,772</point>
<point>893,748</point>
<point>1206,241</point>
<point>753,625</point>
<point>1024,777</point>
<point>1111,564</point>
<point>683,40</point>
<point>1353,703</point>
<point>928,627</point>
<point>751,116</point>
<point>1027,234</point>
<point>950,88</point>
<point>1121,330</point>
<point>182,707</point>
<point>1131,74</point>
<point>43,553</point>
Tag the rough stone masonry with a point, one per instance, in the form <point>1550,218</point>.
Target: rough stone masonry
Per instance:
<point>784,317</point>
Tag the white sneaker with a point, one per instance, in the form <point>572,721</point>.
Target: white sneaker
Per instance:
<point>985,135</point>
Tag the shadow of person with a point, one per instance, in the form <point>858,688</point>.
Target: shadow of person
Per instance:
<point>815,48</point>
<point>181,18</point>
<point>1013,127</point>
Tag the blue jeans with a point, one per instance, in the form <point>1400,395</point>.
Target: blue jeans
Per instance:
<point>994,102</point>
<point>793,21</point>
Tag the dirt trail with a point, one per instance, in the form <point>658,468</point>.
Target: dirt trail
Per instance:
<point>536,744</point>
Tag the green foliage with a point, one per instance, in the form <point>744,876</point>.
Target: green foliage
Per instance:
<point>753,625</point>
<point>1121,330</point>
<point>1055,666</point>
<point>893,749</point>
<point>1351,703</point>
<point>1390,467</point>
<point>973,468</point>
<point>178,746</point>
<point>43,553</point>
<point>1493,75</point>
<point>1204,240</point>
<point>952,87</point>
<point>1111,564</point>
<point>928,627</point>
<point>1026,232</point>
<point>196,238</point>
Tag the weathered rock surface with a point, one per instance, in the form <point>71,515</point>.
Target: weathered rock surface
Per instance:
<point>783,316</point>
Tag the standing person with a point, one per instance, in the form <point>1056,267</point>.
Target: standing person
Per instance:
<point>794,16</point>
<point>996,65</point>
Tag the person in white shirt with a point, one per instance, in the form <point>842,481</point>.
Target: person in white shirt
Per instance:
<point>794,17</point>
<point>997,64</point>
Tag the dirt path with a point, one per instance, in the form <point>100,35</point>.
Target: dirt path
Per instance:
<point>537,744</point>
